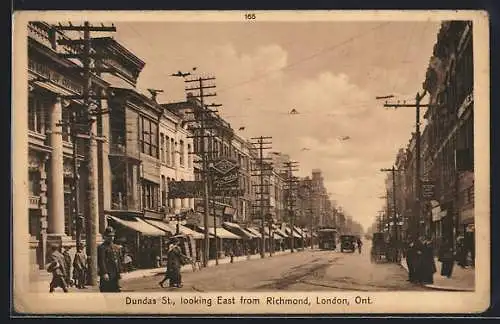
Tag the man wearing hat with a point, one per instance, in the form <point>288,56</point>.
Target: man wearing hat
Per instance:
<point>57,268</point>
<point>80,267</point>
<point>109,263</point>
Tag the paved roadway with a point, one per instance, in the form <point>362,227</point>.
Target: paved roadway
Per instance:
<point>308,270</point>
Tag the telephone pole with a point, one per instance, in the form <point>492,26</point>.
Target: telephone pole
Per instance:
<point>202,132</point>
<point>394,213</point>
<point>86,55</point>
<point>291,181</point>
<point>263,164</point>
<point>418,182</point>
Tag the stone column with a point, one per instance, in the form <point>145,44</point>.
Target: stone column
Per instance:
<point>56,178</point>
<point>191,203</point>
<point>185,203</point>
<point>177,205</point>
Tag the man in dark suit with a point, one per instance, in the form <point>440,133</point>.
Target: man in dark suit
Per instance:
<point>109,263</point>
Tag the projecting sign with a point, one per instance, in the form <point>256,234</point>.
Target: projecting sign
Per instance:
<point>428,190</point>
<point>185,189</point>
<point>225,178</point>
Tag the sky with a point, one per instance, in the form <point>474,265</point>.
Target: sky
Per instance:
<point>330,72</point>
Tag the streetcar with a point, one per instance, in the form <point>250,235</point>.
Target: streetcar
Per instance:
<point>327,238</point>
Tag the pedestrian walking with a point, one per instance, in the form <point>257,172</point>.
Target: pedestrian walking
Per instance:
<point>67,266</point>
<point>359,244</point>
<point>109,263</point>
<point>175,260</point>
<point>411,260</point>
<point>446,258</point>
<point>127,262</point>
<point>461,254</point>
<point>80,267</point>
<point>56,267</point>
<point>428,265</point>
<point>418,264</point>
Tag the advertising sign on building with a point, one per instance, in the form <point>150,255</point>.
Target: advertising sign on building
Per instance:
<point>185,189</point>
<point>225,178</point>
<point>428,190</point>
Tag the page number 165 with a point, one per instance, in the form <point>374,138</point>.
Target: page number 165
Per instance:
<point>250,16</point>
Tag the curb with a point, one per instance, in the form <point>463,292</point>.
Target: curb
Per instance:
<point>437,287</point>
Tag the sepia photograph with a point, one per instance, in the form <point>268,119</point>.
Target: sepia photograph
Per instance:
<point>250,162</point>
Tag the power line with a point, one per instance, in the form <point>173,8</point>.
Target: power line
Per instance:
<point>310,57</point>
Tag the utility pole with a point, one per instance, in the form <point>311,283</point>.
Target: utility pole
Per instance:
<point>417,105</point>
<point>260,143</point>
<point>291,166</point>
<point>86,56</point>
<point>201,116</point>
<point>394,214</point>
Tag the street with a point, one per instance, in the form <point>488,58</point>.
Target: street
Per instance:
<point>308,270</point>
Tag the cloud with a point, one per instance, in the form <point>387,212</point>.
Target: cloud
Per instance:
<point>334,94</point>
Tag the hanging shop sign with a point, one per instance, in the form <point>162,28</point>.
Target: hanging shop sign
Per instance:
<point>225,178</point>
<point>185,189</point>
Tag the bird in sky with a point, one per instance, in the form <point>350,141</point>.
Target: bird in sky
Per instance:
<point>384,97</point>
<point>294,112</point>
<point>194,68</point>
<point>241,128</point>
<point>305,149</point>
<point>344,138</point>
<point>180,74</point>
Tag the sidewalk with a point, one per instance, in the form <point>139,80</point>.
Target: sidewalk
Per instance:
<point>461,279</point>
<point>40,279</point>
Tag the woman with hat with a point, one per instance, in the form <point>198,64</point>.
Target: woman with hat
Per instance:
<point>174,263</point>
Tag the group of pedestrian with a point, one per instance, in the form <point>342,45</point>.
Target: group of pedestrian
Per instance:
<point>420,261</point>
<point>59,266</point>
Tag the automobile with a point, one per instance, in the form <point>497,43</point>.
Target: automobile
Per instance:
<point>347,243</point>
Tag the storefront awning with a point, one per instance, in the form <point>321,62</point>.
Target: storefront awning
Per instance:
<point>289,231</point>
<point>162,225</point>
<point>250,233</point>
<point>238,230</point>
<point>256,232</point>
<point>222,233</point>
<point>300,231</point>
<point>189,232</point>
<point>281,232</point>
<point>139,225</point>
